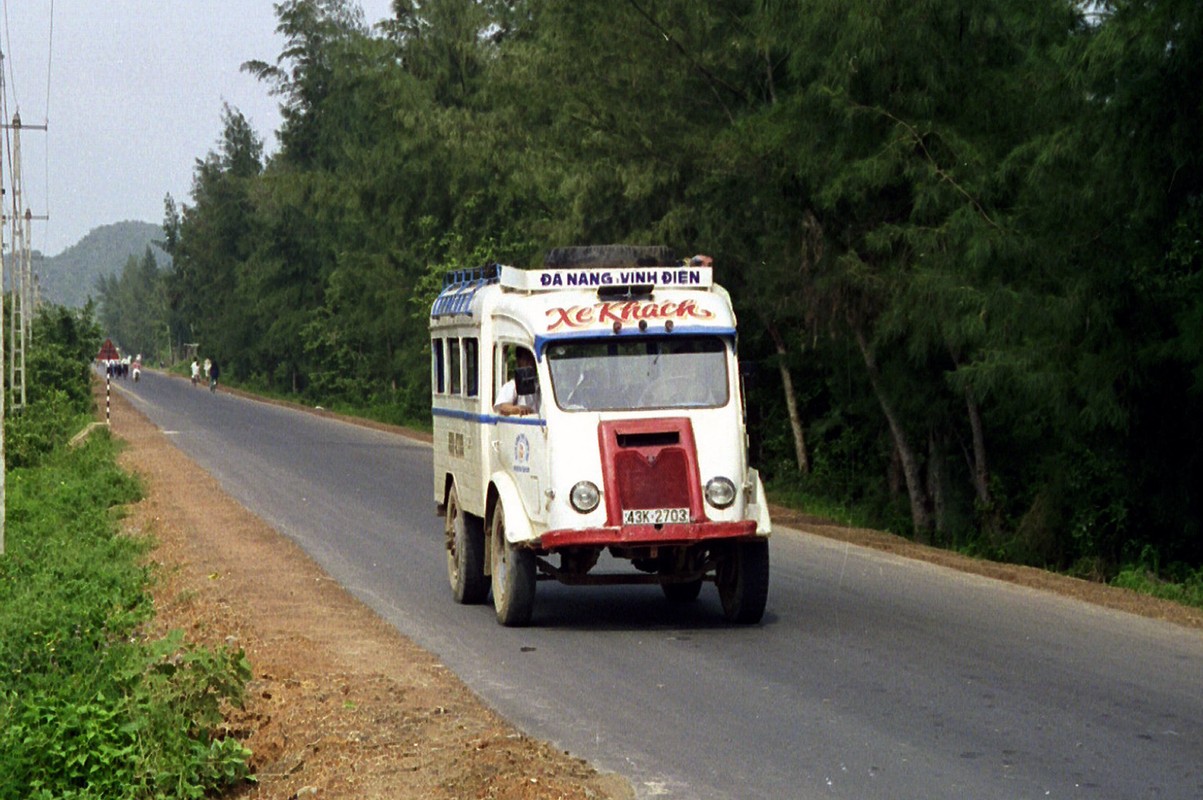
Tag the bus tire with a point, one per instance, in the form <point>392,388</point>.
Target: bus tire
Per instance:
<point>513,576</point>
<point>465,539</point>
<point>743,581</point>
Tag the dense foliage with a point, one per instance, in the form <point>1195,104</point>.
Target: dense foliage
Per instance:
<point>133,308</point>
<point>57,390</point>
<point>91,705</point>
<point>964,238</point>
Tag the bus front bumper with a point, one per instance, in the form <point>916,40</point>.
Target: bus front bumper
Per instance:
<point>648,535</point>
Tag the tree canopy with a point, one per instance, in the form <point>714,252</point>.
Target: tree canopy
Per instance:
<point>965,236</point>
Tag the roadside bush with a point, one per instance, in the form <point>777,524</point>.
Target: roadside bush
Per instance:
<point>58,398</point>
<point>55,369</point>
<point>41,428</point>
<point>1177,581</point>
<point>90,707</point>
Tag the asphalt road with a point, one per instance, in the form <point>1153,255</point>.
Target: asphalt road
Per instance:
<point>870,677</point>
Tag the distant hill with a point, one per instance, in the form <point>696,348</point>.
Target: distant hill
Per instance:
<point>69,278</point>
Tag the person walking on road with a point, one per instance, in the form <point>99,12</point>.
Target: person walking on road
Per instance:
<point>195,371</point>
<point>213,371</point>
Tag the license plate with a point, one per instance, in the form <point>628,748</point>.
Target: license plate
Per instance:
<point>655,516</point>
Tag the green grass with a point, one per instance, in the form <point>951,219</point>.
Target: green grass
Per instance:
<point>92,705</point>
<point>798,499</point>
<point>1186,589</point>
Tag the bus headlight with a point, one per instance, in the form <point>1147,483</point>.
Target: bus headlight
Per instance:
<point>584,496</point>
<point>720,492</point>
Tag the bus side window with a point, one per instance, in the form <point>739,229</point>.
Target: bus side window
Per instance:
<point>453,355</point>
<point>437,377</point>
<point>471,368</point>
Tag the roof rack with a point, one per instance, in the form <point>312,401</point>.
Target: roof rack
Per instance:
<point>459,287</point>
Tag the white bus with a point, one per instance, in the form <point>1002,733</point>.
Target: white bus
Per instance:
<point>594,406</point>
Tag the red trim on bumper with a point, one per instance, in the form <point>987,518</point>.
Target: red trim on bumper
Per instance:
<point>648,534</point>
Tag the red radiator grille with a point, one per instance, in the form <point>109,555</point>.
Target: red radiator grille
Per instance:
<point>650,463</point>
<point>661,481</point>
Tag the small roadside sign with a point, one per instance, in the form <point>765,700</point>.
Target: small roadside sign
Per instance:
<point>108,351</point>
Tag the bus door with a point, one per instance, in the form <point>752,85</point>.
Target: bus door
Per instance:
<point>519,443</point>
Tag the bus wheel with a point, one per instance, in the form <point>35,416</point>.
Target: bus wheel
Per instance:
<point>513,576</point>
<point>465,553</point>
<point>743,581</point>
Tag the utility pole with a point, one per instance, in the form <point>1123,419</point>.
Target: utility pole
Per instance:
<point>3,456</point>
<point>21,286</point>
<point>21,276</point>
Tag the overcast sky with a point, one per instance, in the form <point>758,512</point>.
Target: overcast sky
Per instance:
<point>131,93</point>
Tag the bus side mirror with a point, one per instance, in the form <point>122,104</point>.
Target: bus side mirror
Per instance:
<point>525,380</point>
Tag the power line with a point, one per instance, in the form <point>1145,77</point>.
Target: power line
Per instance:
<point>12,75</point>
<point>46,118</point>
<point>49,61</point>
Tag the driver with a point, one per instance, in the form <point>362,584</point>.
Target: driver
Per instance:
<point>509,402</point>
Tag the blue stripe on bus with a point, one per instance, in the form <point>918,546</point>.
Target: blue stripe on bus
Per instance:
<point>486,419</point>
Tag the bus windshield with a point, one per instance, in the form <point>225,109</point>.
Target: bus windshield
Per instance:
<point>637,372</point>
